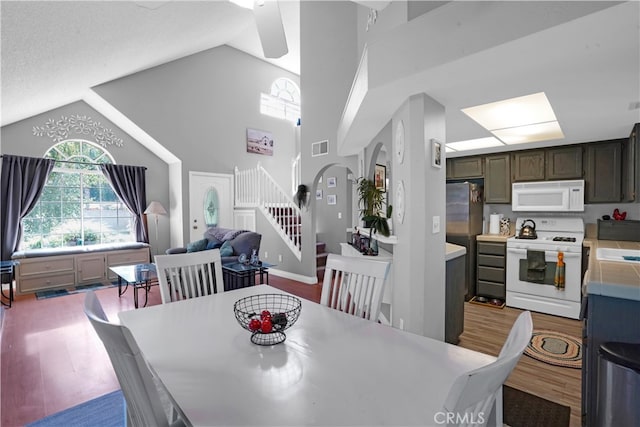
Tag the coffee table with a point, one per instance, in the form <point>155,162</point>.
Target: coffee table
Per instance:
<point>139,276</point>
<point>239,275</point>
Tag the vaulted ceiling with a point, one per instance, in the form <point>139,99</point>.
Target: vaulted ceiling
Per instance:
<point>52,52</point>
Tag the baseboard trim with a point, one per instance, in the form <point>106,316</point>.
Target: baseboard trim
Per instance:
<point>309,280</point>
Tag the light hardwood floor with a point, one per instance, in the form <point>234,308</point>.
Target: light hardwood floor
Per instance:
<point>51,359</point>
<point>486,328</point>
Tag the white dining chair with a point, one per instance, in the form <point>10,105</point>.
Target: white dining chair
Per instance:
<point>189,275</point>
<point>354,285</point>
<point>144,404</point>
<point>472,395</point>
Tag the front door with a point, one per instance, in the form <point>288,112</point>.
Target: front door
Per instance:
<point>210,202</point>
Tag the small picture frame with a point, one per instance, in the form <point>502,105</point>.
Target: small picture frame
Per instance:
<point>332,182</point>
<point>259,142</point>
<point>436,153</point>
<point>331,199</point>
<point>319,194</point>
<point>380,177</point>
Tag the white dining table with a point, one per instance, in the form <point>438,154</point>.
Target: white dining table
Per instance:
<point>333,369</point>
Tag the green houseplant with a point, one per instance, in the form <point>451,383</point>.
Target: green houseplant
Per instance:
<point>370,202</point>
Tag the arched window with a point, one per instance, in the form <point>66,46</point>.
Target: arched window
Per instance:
<point>283,102</point>
<point>77,205</point>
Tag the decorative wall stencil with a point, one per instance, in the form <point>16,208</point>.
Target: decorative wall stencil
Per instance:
<point>60,130</point>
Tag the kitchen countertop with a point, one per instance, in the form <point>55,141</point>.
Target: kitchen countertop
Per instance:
<point>493,238</point>
<point>454,251</point>
<point>610,278</point>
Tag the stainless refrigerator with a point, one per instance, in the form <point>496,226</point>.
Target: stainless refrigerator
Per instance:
<point>464,223</point>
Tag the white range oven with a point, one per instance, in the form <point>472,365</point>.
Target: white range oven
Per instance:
<point>531,286</point>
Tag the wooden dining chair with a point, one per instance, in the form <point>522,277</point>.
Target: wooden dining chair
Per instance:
<point>144,404</point>
<point>354,285</point>
<point>189,275</point>
<point>473,393</point>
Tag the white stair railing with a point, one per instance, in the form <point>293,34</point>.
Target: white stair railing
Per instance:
<point>257,188</point>
<point>296,174</point>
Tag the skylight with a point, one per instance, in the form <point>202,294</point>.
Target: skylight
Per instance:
<point>528,118</point>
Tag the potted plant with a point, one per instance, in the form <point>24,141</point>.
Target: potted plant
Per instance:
<point>370,203</point>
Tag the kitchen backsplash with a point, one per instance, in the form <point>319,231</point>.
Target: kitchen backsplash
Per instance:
<point>591,213</point>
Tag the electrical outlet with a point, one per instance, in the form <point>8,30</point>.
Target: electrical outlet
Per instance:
<point>435,225</point>
<point>339,215</point>
<point>266,254</point>
<point>279,257</point>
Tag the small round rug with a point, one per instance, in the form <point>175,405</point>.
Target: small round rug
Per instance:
<point>555,348</point>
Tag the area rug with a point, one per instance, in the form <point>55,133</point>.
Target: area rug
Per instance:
<point>523,409</point>
<point>73,290</point>
<point>555,348</point>
<point>104,411</point>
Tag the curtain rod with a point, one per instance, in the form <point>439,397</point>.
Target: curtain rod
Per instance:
<point>77,163</point>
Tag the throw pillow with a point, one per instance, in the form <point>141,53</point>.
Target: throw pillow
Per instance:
<point>198,245</point>
<point>226,249</point>
<point>214,244</point>
<point>232,234</point>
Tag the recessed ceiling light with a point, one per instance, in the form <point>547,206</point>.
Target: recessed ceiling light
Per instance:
<point>473,144</point>
<point>528,118</point>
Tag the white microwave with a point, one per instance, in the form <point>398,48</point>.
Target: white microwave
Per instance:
<point>548,196</point>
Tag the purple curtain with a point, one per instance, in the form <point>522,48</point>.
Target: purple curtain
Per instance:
<point>129,183</point>
<point>23,179</point>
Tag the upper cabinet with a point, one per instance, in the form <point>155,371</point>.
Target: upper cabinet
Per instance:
<point>611,169</point>
<point>528,165</point>
<point>563,162</point>
<point>497,178</point>
<point>603,172</point>
<point>465,167</point>
<point>548,164</point>
<point>631,165</point>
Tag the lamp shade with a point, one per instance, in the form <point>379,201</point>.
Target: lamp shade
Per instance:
<point>155,208</point>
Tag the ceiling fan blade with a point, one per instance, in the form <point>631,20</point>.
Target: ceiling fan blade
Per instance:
<point>270,29</point>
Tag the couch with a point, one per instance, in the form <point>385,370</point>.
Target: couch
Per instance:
<point>231,243</point>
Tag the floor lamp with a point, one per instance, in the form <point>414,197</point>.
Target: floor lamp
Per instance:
<point>155,209</point>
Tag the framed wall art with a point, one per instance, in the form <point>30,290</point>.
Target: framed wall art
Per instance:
<point>318,194</point>
<point>331,199</point>
<point>259,142</point>
<point>436,153</point>
<point>380,177</point>
<point>332,182</point>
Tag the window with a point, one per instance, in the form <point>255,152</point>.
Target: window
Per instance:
<point>78,205</point>
<point>283,102</point>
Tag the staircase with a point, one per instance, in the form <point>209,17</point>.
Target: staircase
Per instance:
<point>321,260</point>
<point>256,188</point>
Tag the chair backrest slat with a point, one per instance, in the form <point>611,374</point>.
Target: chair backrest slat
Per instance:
<point>354,285</point>
<point>189,275</point>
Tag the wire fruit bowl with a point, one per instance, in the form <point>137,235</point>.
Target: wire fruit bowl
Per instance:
<point>283,311</point>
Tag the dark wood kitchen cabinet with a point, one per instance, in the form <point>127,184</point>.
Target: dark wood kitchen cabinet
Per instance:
<point>492,267</point>
<point>563,163</point>
<point>528,165</point>
<point>497,178</point>
<point>631,165</point>
<point>603,174</point>
<point>465,167</point>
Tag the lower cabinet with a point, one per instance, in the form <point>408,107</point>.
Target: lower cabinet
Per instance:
<point>491,263</point>
<point>454,300</point>
<point>62,271</point>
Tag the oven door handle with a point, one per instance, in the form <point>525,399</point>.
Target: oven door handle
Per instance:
<point>524,252</point>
